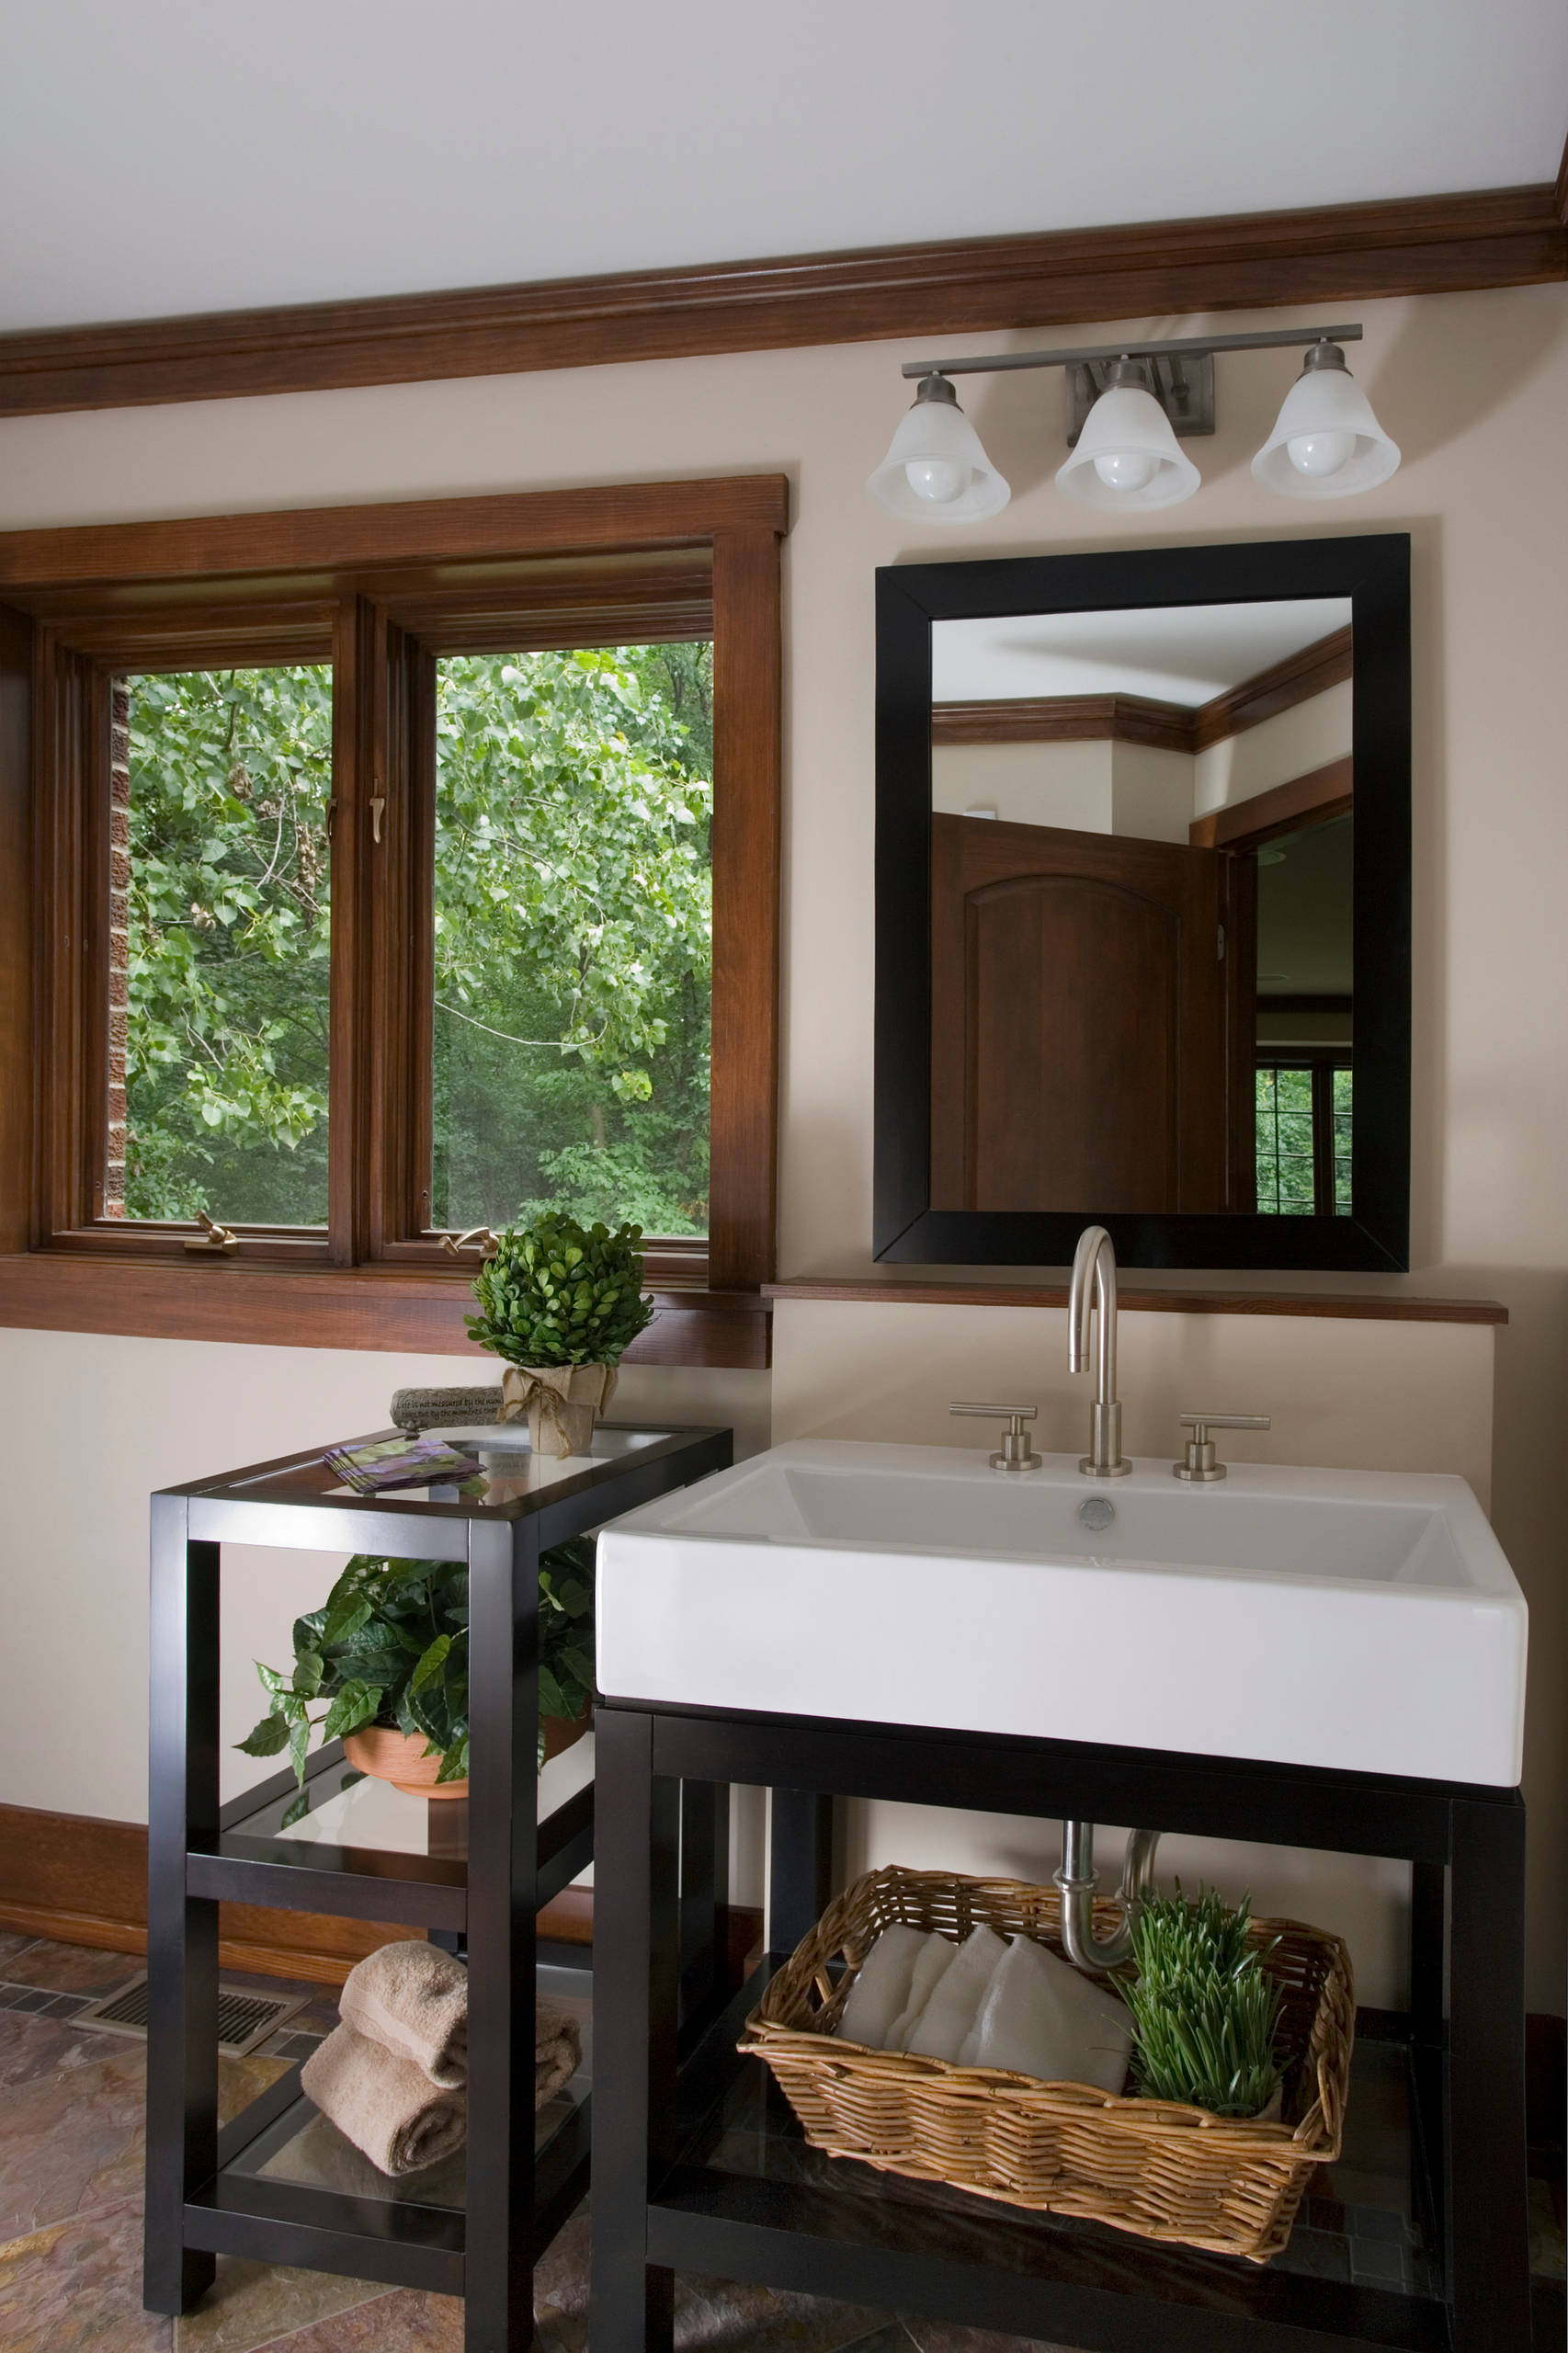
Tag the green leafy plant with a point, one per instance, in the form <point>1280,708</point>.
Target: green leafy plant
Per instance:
<point>1206,2013</point>
<point>389,1647</point>
<point>559,1293</point>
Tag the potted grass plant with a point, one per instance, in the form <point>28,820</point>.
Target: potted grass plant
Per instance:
<point>384,1666</point>
<point>1205,2011</point>
<point>560,1303</point>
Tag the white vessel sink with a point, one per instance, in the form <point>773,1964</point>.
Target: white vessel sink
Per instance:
<point>1353,1619</point>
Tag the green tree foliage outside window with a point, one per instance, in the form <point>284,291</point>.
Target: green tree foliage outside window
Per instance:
<point>1288,1106</point>
<point>226,1039</point>
<point>573,940</point>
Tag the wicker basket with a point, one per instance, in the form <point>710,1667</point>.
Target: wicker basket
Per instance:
<point>1148,2166</point>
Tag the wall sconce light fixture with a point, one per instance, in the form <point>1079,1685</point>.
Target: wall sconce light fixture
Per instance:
<point>936,470</point>
<point>1129,404</point>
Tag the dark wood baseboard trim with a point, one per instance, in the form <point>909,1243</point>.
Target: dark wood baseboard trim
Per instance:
<point>1375,1307</point>
<point>333,1308</point>
<point>1338,253</point>
<point>78,1881</point>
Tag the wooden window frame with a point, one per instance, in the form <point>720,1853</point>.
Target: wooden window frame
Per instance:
<point>380,592</point>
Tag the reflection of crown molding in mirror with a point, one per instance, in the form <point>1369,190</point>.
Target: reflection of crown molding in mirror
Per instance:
<point>1140,718</point>
<point>1372,572</point>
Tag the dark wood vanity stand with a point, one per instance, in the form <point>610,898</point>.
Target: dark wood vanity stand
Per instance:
<point>211,2192</point>
<point>699,2166</point>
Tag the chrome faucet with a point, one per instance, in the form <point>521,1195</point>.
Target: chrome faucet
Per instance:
<point>1096,1258</point>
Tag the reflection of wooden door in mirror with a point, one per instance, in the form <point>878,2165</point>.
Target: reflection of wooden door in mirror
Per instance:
<point>1078,1022</point>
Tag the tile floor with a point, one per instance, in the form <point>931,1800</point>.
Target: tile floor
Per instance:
<point>71,2155</point>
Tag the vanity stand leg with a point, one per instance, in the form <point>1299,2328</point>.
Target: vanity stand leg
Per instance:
<point>1488,2231</point>
<point>503,1560</point>
<point>182,1931</point>
<point>636,1993</point>
<point>704,1891</point>
<point>800,1877</point>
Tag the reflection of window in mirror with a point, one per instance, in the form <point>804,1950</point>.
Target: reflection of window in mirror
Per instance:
<point>1142,855</point>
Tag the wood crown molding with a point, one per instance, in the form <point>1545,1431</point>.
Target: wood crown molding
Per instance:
<point>1341,253</point>
<point>322,1307</point>
<point>1374,1307</point>
<point>1296,679</point>
<point>1065,718</point>
<point>1140,718</point>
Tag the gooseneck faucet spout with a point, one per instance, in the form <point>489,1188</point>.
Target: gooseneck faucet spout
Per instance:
<point>1093,1286</point>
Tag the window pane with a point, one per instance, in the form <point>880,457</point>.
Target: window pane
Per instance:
<point>1284,1145</point>
<point>221,966</point>
<point>574,938</point>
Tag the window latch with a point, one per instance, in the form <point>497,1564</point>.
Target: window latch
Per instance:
<point>377,805</point>
<point>212,1236</point>
<point>453,1242</point>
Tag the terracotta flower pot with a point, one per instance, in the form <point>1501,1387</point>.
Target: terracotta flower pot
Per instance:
<point>398,1758</point>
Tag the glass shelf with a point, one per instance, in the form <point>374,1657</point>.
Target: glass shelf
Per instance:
<point>503,1477</point>
<point>301,2148</point>
<point>1361,2259</point>
<point>350,1808</point>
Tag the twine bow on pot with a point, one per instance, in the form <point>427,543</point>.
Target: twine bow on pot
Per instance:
<point>561,1402</point>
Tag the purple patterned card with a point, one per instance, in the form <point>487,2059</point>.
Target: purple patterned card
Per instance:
<point>398,1462</point>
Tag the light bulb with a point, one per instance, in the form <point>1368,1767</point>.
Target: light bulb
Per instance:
<point>937,479</point>
<point>1127,470</point>
<point>1319,453</point>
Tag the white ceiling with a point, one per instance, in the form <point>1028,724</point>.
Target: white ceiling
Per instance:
<point>175,155</point>
<point>1181,654</point>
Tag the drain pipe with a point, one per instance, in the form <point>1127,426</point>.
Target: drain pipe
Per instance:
<point>1076,1882</point>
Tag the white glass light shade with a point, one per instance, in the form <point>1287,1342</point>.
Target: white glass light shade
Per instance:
<point>1128,456</point>
<point>1325,416</point>
<point>936,470</point>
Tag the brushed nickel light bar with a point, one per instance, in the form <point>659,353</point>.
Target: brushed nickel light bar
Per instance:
<point>1127,405</point>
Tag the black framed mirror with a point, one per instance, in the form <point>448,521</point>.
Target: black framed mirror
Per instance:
<point>1144,906</point>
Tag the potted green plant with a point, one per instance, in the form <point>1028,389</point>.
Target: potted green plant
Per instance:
<point>1205,2011</point>
<point>560,1303</point>
<point>384,1663</point>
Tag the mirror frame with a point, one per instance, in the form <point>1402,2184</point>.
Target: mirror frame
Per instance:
<point>1374,573</point>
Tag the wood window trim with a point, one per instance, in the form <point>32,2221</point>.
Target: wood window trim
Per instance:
<point>384,586</point>
<point>1322,793</point>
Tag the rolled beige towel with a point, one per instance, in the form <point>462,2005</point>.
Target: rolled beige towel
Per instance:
<point>558,2051</point>
<point>413,1999</point>
<point>391,2111</point>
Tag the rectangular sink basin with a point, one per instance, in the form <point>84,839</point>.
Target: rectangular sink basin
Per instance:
<point>1366,1620</point>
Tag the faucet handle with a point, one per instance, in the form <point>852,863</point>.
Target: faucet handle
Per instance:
<point>1198,1463</point>
<point>1016,1453</point>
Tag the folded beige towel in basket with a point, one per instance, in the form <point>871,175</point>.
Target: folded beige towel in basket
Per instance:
<point>413,1999</point>
<point>383,2104</point>
<point>558,2051</point>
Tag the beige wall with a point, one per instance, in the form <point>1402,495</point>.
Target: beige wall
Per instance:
<point>1473,387</point>
<point>1027,784</point>
<point>1293,742</point>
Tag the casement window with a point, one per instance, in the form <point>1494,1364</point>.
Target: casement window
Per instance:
<point>1303,1131</point>
<point>398,872</point>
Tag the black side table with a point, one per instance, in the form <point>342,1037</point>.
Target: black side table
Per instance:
<point>209,2192</point>
<point>698,2164</point>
